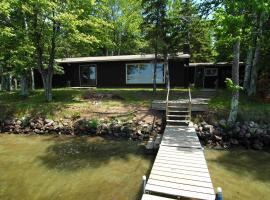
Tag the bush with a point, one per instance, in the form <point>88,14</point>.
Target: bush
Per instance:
<point>93,123</point>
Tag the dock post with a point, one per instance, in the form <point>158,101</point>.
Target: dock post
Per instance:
<point>219,194</point>
<point>144,183</point>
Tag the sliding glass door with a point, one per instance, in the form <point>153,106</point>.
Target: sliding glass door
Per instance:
<point>88,75</point>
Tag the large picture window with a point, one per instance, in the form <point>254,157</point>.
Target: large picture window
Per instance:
<point>143,73</point>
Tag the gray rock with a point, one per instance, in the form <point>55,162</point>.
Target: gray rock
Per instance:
<point>222,123</point>
<point>248,135</point>
<point>258,145</point>
<point>218,138</point>
<point>244,127</point>
<point>237,129</point>
<point>259,131</point>
<point>208,128</point>
<point>48,121</point>
<point>234,141</point>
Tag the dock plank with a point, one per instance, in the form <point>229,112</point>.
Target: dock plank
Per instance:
<point>181,180</point>
<point>181,171</point>
<point>178,192</point>
<point>152,197</point>
<point>194,177</point>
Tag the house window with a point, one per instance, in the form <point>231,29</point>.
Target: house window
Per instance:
<point>88,75</point>
<point>210,71</point>
<point>143,73</point>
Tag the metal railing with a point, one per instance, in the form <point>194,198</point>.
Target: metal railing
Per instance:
<point>167,102</point>
<point>189,102</point>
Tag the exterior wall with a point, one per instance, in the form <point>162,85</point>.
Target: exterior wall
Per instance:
<point>224,71</point>
<point>113,74</point>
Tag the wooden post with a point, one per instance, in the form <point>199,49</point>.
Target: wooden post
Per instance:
<point>219,194</point>
<point>144,183</point>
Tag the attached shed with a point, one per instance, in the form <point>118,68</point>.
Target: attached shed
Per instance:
<point>213,75</point>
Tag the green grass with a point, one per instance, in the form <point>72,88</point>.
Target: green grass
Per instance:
<point>67,168</point>
<point>250,108</point>
<point>68,102</point>
<point>242,174</point>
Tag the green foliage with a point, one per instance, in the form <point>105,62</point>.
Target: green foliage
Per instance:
<point>93,123</point>
<point>193,29</point>
<point>231,86</point>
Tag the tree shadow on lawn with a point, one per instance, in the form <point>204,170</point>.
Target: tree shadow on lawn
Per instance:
<point>12,104</point>
<point>75,153</point>
<point>245,163</point>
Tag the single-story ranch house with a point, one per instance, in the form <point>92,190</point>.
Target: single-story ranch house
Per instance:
<point>136,71</point>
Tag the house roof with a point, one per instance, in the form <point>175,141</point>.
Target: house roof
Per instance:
<point>117,58</point>
<point>209,64</point>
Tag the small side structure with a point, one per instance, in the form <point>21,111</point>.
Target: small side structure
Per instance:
<point>213,75</point>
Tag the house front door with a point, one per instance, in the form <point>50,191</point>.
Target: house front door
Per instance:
<point>88,75</point>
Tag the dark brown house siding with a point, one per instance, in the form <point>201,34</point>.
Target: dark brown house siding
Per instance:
<point>224,71</point>
<point>113,74</point>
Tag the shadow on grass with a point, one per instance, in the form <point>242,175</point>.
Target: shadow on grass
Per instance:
<point>83,152</point>
<point>12,104</point>
<point>245,163</point>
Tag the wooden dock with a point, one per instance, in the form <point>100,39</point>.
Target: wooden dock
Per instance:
<point>180,168</point>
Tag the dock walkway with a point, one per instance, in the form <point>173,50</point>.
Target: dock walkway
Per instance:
<point>180,168</point>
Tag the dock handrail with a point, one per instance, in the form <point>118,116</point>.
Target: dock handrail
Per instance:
<point>167,101</point>
<point>189,103</point>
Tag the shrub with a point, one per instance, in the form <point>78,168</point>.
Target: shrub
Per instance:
<point>93,123</point>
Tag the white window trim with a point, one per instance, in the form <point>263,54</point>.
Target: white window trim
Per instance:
<point>87,65</point>
<point>205,74</point>
<point>153,74</point>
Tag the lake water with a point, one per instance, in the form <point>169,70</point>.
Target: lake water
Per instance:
<point>71,168</point>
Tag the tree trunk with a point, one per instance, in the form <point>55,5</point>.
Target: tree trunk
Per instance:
<point>47,84</point>
<point>15,84</point>
<point>24,85</point>
<point>254,71</point>
<point>155,72</point>
<point>248,69</point>
<point>7,82</point>
<point>46,74</point>
<point>250,54</point>
<point>32,79</point>
<point>166,67</point>
<point>235,79</point>
<point>1,78</point>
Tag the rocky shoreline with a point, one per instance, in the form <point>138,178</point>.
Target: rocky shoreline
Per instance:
<point>131,129</point>
<point>221,135</point>
<point>218,135</point>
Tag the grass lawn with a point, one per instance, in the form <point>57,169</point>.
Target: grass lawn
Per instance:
<point>68,102</point>
<point>250,108</point>
<point>63,168</point>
